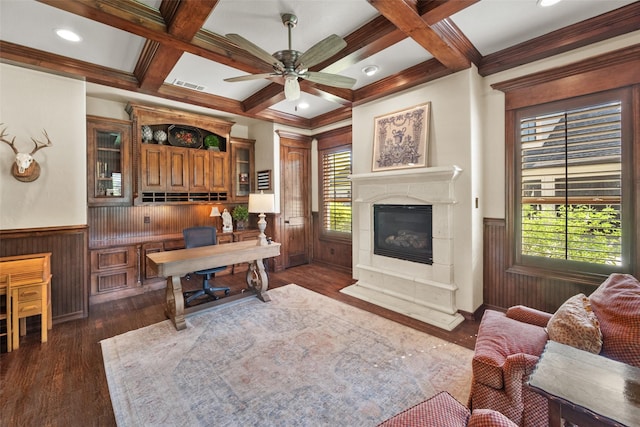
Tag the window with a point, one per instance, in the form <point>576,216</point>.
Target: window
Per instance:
<point>573,210</point>
<point>336,190</point>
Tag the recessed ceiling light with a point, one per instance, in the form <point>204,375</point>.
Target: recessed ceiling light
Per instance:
<point>547,3</point>
<point>303,105</point>
<point>370,70</point>
<point>68,35</point>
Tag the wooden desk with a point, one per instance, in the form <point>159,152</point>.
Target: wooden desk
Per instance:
<point>587,389</point>
<point>175,264</point>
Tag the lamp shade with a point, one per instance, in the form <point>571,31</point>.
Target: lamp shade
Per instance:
<point>261,203</point>
<point>215,211</point>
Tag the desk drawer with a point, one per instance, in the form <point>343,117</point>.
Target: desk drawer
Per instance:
<point>29,308</point>
<point>29,293</point>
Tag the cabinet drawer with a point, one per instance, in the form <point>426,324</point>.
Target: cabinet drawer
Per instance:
<point>115,280</point>
<point>29,293</point>
<point>107,259</point>
<point>29,308</point>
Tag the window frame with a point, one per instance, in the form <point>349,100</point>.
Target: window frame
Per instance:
<point>622,95</point>
<point>610,71</point>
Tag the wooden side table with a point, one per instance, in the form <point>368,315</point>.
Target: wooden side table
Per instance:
<point>30,290</point>
<point>585,388</point>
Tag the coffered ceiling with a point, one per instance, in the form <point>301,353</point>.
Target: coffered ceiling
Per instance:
<point>176,49</point>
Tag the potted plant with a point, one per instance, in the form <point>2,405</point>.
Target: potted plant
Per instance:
<point>241,214</point>
<point>212,142</point>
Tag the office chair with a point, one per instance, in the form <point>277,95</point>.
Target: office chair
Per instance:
<point>202,236</point>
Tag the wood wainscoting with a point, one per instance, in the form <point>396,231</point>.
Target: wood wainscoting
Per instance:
<point>503,289</point>
<point>69,264</point>
<point>333,253</point>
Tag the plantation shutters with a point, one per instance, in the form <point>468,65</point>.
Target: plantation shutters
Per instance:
<point>571,184</point>
<point>336,190</point>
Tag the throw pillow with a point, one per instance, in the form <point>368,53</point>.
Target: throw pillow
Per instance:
<point>616,302</point>
<point>576,325</point>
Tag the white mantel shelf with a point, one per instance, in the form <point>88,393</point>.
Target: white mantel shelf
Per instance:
<point>440,173</point>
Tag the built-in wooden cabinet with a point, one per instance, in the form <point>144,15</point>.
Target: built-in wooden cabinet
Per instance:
<point>114,270</point>
<point>108,162</point>
<point>172,168</point>
<point>242,165</point>
<point>121,271</point>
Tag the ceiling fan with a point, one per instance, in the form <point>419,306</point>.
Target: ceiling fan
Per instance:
<point>291,64</point>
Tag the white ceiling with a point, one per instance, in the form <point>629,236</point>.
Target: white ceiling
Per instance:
<point>491,25</point>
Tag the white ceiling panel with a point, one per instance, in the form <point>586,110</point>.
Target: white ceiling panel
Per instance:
<point>33,24</point>
<point>493,25</point>
<point>211,75</point>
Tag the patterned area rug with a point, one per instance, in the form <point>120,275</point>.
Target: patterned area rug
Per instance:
<point>302,359</point>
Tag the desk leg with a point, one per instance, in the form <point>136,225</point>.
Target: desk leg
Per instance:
<point>258,280</point>
<point>174,302</point>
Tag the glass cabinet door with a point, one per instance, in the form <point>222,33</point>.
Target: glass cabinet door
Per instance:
<point>242,163</point>
<point>108,163</point>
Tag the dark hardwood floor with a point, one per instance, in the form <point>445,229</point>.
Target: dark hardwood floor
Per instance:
<point>63,383</point>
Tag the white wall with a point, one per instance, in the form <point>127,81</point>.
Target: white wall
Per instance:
<point>454,138</point>
<point>31,101</point>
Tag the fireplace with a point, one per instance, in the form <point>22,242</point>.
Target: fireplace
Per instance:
<point>403,232</point>
<point>417,206</point>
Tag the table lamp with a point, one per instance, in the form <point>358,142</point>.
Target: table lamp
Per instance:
<point>215,212</point>
<point>261,203</point>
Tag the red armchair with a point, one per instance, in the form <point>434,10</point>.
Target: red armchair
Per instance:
<point>508,347</point>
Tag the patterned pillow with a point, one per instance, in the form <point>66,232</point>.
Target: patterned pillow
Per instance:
<point>576,325</point>
<point>616,302</point>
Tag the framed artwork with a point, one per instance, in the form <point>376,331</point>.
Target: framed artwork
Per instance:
<point>401,139</point>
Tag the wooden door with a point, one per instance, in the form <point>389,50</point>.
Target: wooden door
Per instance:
<point>199,171</point>
<point>219,171</point>
<point>153,167</point>
<point>178,169</point>
<point>295,201</point>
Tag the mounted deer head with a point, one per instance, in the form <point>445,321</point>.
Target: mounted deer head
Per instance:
<point>25,168</point>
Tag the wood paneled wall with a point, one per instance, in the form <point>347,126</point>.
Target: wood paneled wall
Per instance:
<point>69,264</point>
<point>122,222</point>
<point>335,253</point>
<point>503,289</point>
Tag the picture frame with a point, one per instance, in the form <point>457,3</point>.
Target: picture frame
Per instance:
<point>401,139</point>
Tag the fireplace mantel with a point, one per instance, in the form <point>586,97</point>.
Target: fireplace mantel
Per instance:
<point>424,292</point>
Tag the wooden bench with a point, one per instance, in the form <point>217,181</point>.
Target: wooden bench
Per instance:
<point>30,290</point>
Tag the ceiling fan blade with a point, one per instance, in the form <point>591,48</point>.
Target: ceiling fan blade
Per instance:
<point>256,51</point>
<point>250,77</point>
<point>320,51</point>
<point>327,79</point>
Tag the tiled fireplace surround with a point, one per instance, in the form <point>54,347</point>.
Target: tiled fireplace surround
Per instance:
<point>424,292</point>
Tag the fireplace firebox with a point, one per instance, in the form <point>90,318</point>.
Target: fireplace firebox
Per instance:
<point>404,232</point>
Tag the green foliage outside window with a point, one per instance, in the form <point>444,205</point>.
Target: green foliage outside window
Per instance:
<point>575,232</point>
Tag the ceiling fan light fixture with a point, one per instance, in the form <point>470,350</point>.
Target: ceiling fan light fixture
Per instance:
<point>370,70</point>
<point>291,88</point>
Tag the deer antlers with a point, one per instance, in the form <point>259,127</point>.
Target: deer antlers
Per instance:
<point>37,144</point>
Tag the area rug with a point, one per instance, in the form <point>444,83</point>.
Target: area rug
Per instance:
<point>302,359</point>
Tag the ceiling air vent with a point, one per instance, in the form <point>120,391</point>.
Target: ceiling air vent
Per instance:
<point>188,85</point>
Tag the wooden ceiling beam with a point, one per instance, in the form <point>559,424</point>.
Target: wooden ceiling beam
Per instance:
<point>405,15</point>
<point>617,22</point>
<point>184,20</point>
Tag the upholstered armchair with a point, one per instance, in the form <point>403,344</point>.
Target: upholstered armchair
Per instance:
<point>509,345</point>
<point>507,350</point>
